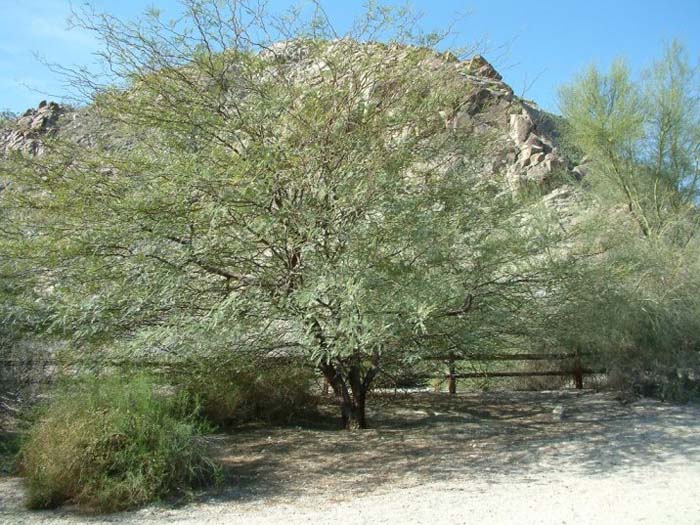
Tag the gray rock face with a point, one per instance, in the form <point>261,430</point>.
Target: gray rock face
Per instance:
<point>479,67</point>
<point>520,127</point>
<point>26,133</point>
<point>538,158</point>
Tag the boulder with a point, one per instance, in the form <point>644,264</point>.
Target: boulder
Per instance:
<point>520,127</point>
<point>480,67</point>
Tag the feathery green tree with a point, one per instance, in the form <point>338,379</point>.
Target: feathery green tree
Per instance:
<point>303,197</point>
<point>640,147</point>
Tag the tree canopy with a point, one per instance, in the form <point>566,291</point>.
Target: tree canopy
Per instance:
<point>303,197</point>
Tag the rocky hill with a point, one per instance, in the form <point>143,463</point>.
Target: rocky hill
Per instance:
<point>525,146</point>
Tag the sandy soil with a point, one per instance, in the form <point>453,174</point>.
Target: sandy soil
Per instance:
<point>473,458</point>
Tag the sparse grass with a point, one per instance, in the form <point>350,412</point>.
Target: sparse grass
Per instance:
<point>112,443</point>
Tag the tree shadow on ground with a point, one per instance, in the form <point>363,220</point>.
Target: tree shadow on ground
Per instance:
<point>427,437</point>
<point>9,448</point>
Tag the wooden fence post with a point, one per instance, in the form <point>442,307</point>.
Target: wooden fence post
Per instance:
<point>578,373</point>
<point>452,380</point>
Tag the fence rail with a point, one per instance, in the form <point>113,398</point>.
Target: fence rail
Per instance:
<point>509,357</point>
<point>576,369</point>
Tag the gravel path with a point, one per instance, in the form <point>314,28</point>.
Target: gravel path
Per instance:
<point>493,458</point>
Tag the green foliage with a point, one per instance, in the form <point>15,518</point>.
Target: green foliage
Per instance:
<point>637,301</point>
<point>640,138</point>
<point>112,443</point>
<point>230,393</point>
<point>258,202</point>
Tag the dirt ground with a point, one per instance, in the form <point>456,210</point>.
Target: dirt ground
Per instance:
<point>497,457</point>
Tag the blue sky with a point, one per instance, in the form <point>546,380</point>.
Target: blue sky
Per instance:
<point>537,46</point>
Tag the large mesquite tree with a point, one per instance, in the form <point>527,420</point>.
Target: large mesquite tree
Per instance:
<point>247,197</point>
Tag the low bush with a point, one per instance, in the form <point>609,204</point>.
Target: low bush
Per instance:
<point>668,381</point>
<point>112,443</point>
<point>271,391</point>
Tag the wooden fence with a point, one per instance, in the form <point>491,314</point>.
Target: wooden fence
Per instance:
<point>576,368</point>
<point>30,371</point>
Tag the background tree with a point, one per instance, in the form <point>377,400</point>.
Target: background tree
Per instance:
<point>640,143</point>
<point>641,139</point>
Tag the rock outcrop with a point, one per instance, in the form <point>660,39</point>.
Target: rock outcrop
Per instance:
<point>524,145</point>
<point>25,134</point>
<point>527,147</point>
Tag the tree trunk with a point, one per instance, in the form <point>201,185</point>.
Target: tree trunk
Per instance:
<point>451,379</point>
<point>333,379</point>
<point>353,413</point>
<point>352,404</point>
<point>452,384</point>
<point>578,376</point>
<point>578,372</point>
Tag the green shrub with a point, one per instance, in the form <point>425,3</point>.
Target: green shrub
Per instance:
<point>111,443</point>
<point>271,391</point>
